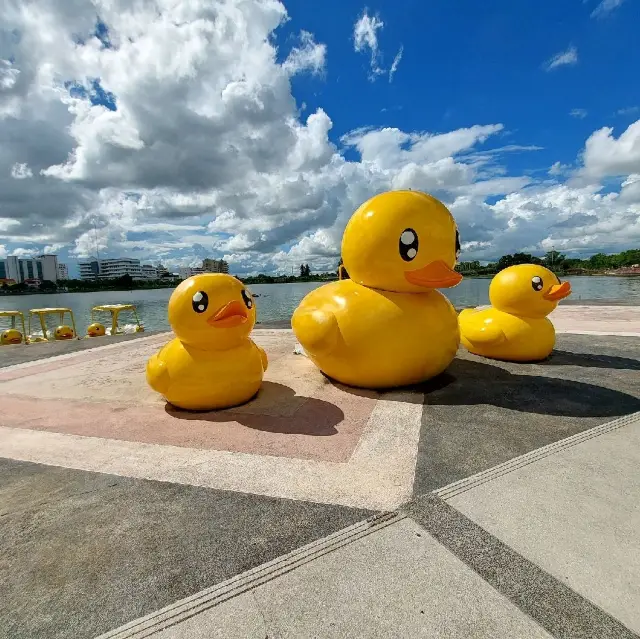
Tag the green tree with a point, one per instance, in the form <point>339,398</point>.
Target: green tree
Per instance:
<point>47,285</point>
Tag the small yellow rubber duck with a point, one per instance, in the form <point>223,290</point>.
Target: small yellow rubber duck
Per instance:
<point>63,332</point>
<point>10,336</point>
<point>516,328</point>
<point>387,326</point>
<point>212,363</point>
<point>96,330</point>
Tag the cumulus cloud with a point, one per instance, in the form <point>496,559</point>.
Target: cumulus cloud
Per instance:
<point>169,131</point>
<point>564,58</point>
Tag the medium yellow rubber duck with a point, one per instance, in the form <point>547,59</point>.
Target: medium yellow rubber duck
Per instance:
<point>516,327</point>
<point>212,363</point>
<point>387,326</point>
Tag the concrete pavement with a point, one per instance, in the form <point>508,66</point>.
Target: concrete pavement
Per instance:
<point>105,490</point>
<point>545,546</point>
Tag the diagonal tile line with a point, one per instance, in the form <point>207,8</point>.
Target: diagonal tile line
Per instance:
<point>473,481</point>
<point>180,611</point>
<point>553,605</point>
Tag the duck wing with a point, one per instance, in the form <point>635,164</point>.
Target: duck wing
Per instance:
<point>158,374</point>
<point>316,329</point>
<point>478,330</point>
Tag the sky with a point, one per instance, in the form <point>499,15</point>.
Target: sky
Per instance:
<point>250,130</point>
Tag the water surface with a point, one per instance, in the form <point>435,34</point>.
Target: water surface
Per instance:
<point>276,302</point>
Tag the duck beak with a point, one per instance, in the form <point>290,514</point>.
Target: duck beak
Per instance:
<point>434,275</point>
<point>558,292</point>
<point>231,314</point>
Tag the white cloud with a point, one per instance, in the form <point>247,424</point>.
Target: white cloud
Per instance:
<point>628,110</point>
<point>396,63</point>
<point>605,156</point>
<point>21,171</point>
<point>365,38</point>
<point>308,56</point>
<point>3,251</point>
<point>578,113</point>
<point>564,58</point>
<point>557,168</point>
<point>605,7</point>
<point>207,153</point>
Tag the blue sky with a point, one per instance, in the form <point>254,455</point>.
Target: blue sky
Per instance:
<point>466,62</point>
<point>175,143</point>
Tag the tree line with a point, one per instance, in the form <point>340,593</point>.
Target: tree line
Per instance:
<point>557,262</point>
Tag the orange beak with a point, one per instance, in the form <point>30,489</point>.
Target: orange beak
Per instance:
<point>558,292</point>
<point>434,275</point>
<point>231,314</point>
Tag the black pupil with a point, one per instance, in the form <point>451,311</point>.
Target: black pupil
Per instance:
<point>408,245</point>
<point>246,298</point>
<point>457,243</point>
<point>200,302</point>
<point>536,282</point>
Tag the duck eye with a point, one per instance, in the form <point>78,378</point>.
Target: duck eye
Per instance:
<point>536,283</point>
<point>200,301</point>
<point>408,245</point>
<point>246,298</point>
<point>457,244</point>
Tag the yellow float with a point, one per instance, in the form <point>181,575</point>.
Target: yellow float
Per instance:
<point>516,327</point>
<point>114,310</point>
<point>63,331</point>
<point>212,363</point>
<point>387,326</point>
<point>12,335</point>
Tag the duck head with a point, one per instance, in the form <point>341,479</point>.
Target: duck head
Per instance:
<point>96,330</point>
<point>10,336</point>
<point>63,332</point>
<point>527,290</point>
<point>403,241</point>
<point>213,311</point>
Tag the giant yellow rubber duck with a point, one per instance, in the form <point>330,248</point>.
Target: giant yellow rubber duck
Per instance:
<point>387,326</point>
<point>212,363</point>
<point>516,327</point>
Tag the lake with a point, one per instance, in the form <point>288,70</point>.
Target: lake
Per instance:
<point>278,301</point>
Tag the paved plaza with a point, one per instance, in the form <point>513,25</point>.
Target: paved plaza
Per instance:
<point>499,500</point>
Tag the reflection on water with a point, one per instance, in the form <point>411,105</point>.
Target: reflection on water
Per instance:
<point>278,301</point>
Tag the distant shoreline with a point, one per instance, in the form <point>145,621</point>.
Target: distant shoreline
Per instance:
<point>9,293</point>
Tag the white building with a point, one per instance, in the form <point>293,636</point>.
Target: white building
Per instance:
<point>187,271</point>
<point>44,267</point>
<point>111,268</point>
<point>215,266</point>
<point>149,272</point>
<point>63,271</point>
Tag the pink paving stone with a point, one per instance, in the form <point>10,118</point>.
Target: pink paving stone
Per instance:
<point>298,412</point>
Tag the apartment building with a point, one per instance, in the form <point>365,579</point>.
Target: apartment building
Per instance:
<point>110,268</point>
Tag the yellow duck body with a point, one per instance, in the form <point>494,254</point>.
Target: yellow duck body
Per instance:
<point>387,326</point>
<point>516,327</point>
<point>378,339</point>
<point>196,379</point>
<point>212,363</point>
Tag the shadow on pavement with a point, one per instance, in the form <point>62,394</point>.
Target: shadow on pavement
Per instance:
<point>468,383</point>
<point>566,358</point>
<point>272,413</point>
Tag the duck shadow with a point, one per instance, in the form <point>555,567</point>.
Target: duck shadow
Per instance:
<point>467,382</point>
<point>275,409</point>
<point>566,358</point>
